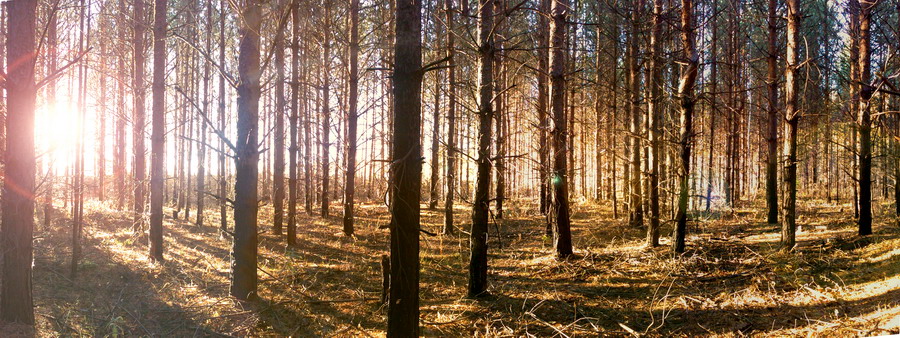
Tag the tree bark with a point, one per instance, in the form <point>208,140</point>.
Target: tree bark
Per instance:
<point>792,119</point>
<point>772,123</point>
<point>480,210</point>
<point>278,191</point>
<point>451,122</point>
<point>406,173</point>
<point>138,121</point>
<point>244,248</point>
<point>864,118</point>
<point>17,227</point>
<point>295,103</point>
<point>542,107</point>
<point>687,100</point>
<point>562,236</point>
<point>158,137</point>
<point>326,113</point>
<point>350,183</point>
<point>654,114</point>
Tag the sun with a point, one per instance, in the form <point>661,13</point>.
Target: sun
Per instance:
<point>56,131</point>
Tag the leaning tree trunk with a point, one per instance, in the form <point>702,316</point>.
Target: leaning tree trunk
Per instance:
<point>17,225</point>
<point>687,100</point>
<point>772,123</point>
<point>243,251</point>
<point>865,119</point>
<point>406,173</point>
<point>478,243</point>
<point>562,235</point>
<point>792,119</point>
<point>350,182</point>
<point>158,138</point>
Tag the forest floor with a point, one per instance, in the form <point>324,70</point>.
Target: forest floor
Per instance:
<point>732,281</point>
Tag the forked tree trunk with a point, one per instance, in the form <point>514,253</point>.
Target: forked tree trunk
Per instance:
<point>244,248</point>
<point>406,171</point>
<point>562,236</point>
<point>17,227</point>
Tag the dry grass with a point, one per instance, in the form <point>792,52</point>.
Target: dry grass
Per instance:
<point>733,281</point>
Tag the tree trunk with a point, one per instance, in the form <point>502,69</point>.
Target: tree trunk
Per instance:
<point>480,210</point>
<point>792,119</point>
<point>654,114</point>
<point>451,122</point>
<point>637,208</point>
<point>223,172</point>
<point>119,157</point>
<point>865,118</point>
<point>350,183</point>
<point>772,123</point>
<point>138,121</point>
<point>243,252</point>
<point>542,107</point>
<point>278,189</point>
<point>201,149</point>
<point>406,173</point>
<point>158,138</point>
<point>562,236</point>
<point>687,99</point>
<point>17,227</point>
<point>295,102</point>
<point>326,113</point>
<point>434,188</point>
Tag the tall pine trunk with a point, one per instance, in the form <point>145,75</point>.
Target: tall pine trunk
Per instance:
<point>562,236</point>
<point>772,123</point>
<point>864,118</point>
<point>792,119</point>
<point>654,115</point>
<point>451,122</point>
<point>138,120</point>
<point>295,102</point>
<point>480,210</point>
<point>687,99</point>
<point>158,138</point>
<point>17,227</point>
<point>406,171</point>
<point>244,248</point>
<point>352,115</point>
